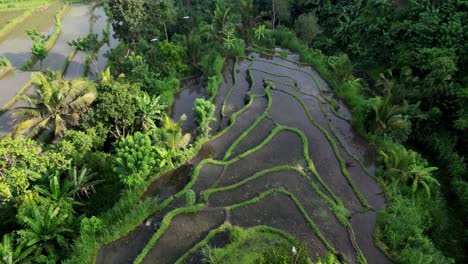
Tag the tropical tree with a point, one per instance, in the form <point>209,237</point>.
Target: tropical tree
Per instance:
<point>82,182</point>
<point>420,177</point>
<point>407,167</point>
<point>57,104</point>
<point>307,27</point>
<point>38,49</point>
<point>229,41</point>
<point>128,18</point>
<point>174,138</point>
<point>167,14</point>
<point>90,45</point>
<point>151,110</point>
<point>385,116</point>
<point>45,228</point>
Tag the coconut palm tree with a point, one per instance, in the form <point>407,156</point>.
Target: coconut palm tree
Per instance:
<point>45,227</point>
<point>173,133</point>
<point>57,104</point>
<point>11,253</point>
<point>385,116</point>
<point>420,177</point>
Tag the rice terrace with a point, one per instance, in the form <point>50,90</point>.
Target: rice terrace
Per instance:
<point>281,163</point>
<point>233,131</point>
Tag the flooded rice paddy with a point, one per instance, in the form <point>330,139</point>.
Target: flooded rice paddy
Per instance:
<point>280,157</point>
<point>78,21</point>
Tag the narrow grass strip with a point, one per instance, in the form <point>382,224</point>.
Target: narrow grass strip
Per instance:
<point>314,79</point>
<point>234,85</point>
<point>340,212</point>
<point>204,242</point>
<point>330,126</point>
<point>274,132</point>
<point>5,70</point>
<point>14,22</point>
<point>164,225</point>
<point>334,147</point>
<point>301,209</point>
<point>13,100</point>
<point>234,118</point>
<point>253,126</point>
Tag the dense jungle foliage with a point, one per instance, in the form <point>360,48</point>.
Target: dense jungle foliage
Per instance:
<point>72,172</point>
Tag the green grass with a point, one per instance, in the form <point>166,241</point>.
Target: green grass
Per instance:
<point>12,23</point>
<point>248,245</point>
<point>10,5</point>
<point>5,66</point>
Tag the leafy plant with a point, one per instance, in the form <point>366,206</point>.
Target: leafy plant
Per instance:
<point>59,192</point>
<point>385,116</point>
<point>407,167</point>
<point>204,115</point>
<point>190,198</point>
<point>151,110</point>
<point>260,32</point>
<point>39,49</point>
<point>11,252</point>
<point>136,159</point>
<point>45,227</point>
<point>83,182</point>
<point>173,136</point>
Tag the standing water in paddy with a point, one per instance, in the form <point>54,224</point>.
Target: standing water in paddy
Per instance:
<point>16,45</point>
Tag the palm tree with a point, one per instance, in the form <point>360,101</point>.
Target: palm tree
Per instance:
<point>398,160</point>
<point>385,116</point>
<point>57,104</point>
<point>82,182</point>
<point>173,133</point>
<point>45,228</point>
<point>408,168</point>
<point>421,177</point>
<point>11,253</point>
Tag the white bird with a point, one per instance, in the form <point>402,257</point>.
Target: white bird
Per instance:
<point>294,251</point>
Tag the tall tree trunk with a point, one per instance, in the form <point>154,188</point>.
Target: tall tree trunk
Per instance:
<point>273,21</point>
<point>165,30</point>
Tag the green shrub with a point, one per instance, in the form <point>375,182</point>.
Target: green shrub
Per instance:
<point>403,226</point>
<point>190,198</point>
<point>204,112</point>
<point>135,159</point>
<point>91,225</point>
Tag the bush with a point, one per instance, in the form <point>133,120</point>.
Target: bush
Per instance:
<point>135,159</point>
<point>403,226</point>
<point>204,112</point>
<point>190,198</point>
